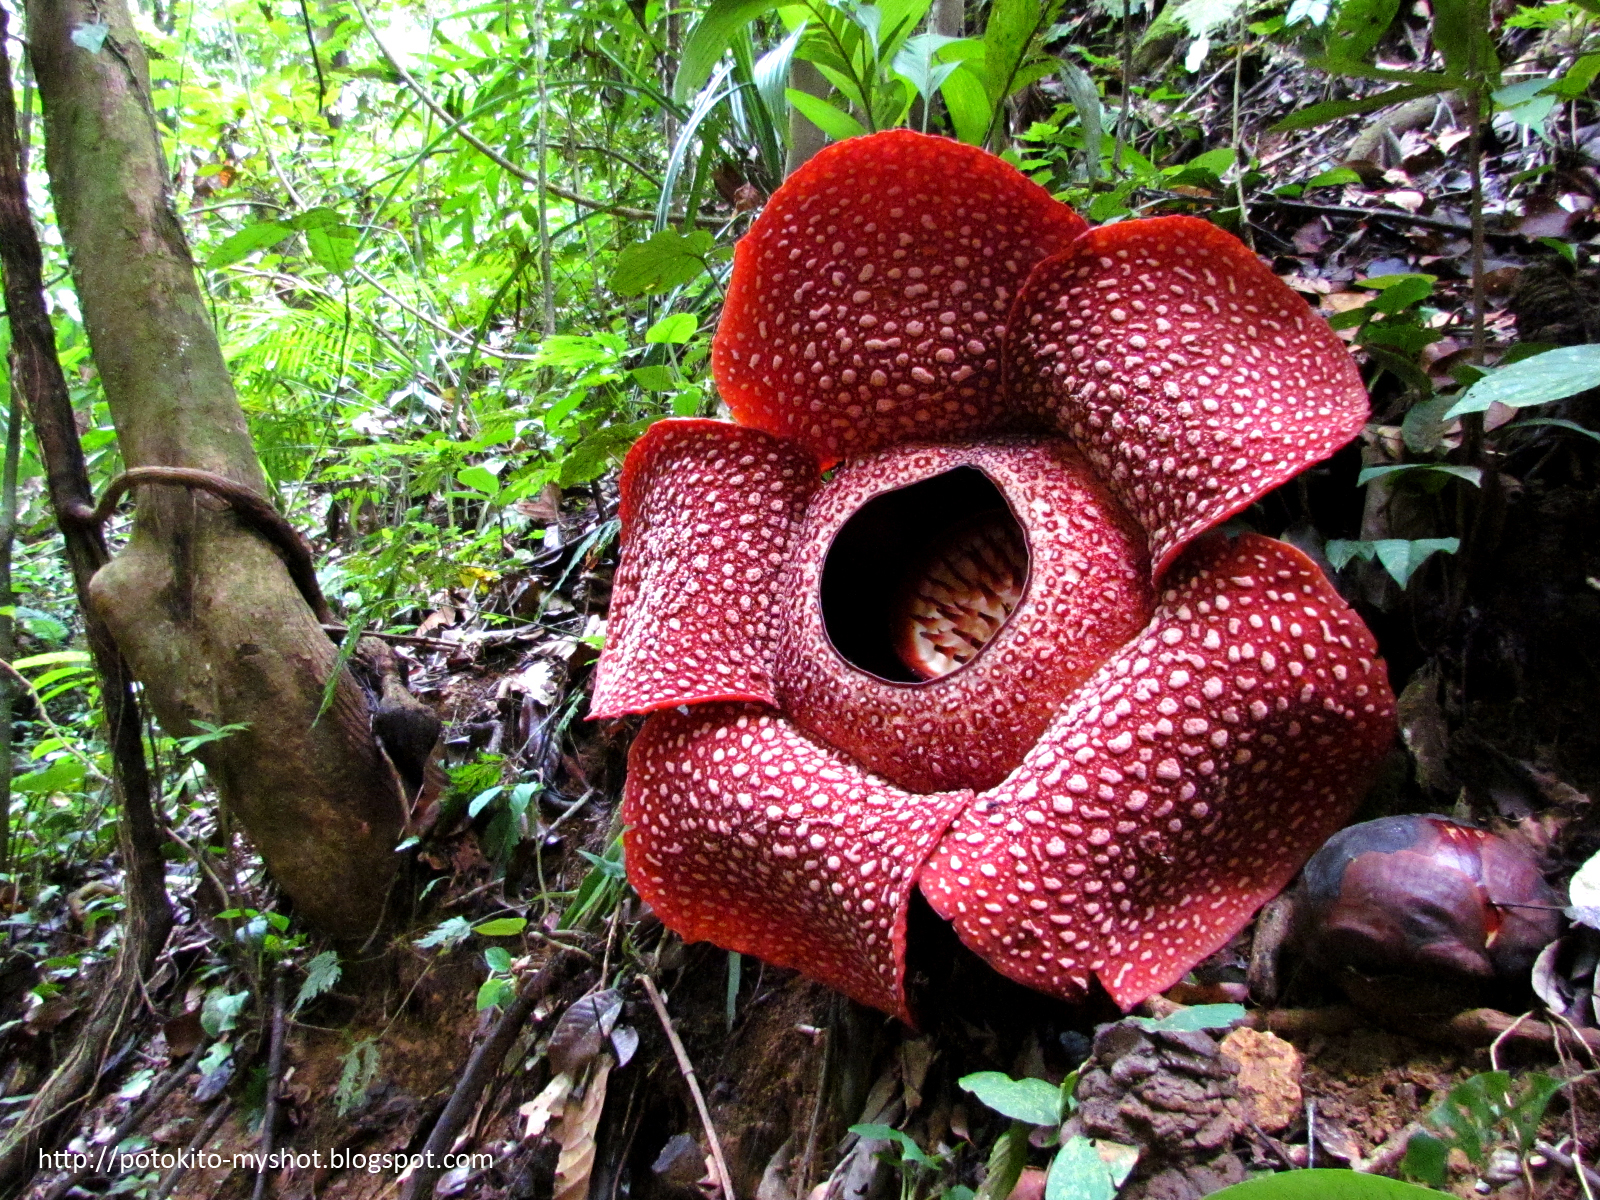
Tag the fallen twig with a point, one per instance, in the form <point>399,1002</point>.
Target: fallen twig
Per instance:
<point>1589,1176</point>
<point>686,1068</point>
<point>480,1068</point>
<point>1396,214</point>
<point>274,1081</point>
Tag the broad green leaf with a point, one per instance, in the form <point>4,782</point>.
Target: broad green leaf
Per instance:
<point>834,122</point>
<point>1333,178</point>
<point>1462,34</point>
<point>1006,1160</point>
<point>479,478</point>
<point>1197,1016</point>
<point>1078,1173</point>
<point>246,241</point>
<point>1427,1158</point>
<point>673,329</point>
<point>1399,556</point>
<point>1359,27</point>
<point>497,959</point>
<point>1033,1101</point>
<point>1473,475</point>
<point>966,100</point>
<point>707,41</point>
<point>1323,1184</point>
<point>65,774</point>
<point>667,259</point>
<point>909,1150</point>
<point>334,246</point>
<point>916,61</point>
<point>1575,82</point>
<point>501,927</point>
<point>655,379</point>
<point>1553,375</point>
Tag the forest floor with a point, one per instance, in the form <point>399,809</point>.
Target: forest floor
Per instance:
<point>1494,650</point>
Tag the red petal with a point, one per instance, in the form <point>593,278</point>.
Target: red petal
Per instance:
<point>1182,788</point>
<point>1191,376</point>
<point>1087,593</point>
<point>868,302</point>
<point>709,512</point>
<point>742,832</point>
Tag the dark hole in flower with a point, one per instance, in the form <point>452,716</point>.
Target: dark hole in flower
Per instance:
<point>920,578</point>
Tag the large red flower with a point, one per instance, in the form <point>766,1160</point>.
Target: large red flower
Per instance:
<point>987,653</point>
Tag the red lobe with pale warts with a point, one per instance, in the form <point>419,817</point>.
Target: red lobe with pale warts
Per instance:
<point>944,665</point>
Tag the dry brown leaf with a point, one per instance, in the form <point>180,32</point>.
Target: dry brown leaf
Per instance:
<point>549,1105</point>
<point>575,1164</point>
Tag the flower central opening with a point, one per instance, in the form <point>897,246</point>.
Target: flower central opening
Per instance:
<point>920,579</point>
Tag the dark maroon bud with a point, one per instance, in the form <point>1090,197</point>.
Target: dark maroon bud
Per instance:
<point>1425,896</point>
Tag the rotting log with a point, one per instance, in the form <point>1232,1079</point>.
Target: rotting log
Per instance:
<point>203,610</point>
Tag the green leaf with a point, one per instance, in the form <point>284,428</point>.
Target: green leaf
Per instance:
<point>1473,475</point>
<point>1333,178</point>
<point>966,99</point>
<point>1359,27</point>
<point>497,959</point>
<point>54,656</point>
<point>322,972</point>
<point>1321,1183</point>
<point>479,478</point>
<point>909,1150</point>
<point>246,241</point>
<point>496,992</point>
<point>918,64</point>
<point>65,774</point>
<point>1197,1016</point>
<point>590,457</point>
<point>1399,556</point>
<point>712,34</point>
<point>501,927</point>
<point>834,122</point>
<point>1006,1160</point>
<point>1078,1173</point>
<point>656,379</point>
<point>332,242</point>
<point>667,259</point>
<point>1427,1159</point>
<point>1572,426</point>
<point>1461,33</point>
<point>1033,1101</point>
<point>672,330</point>
<point>1553,375</point>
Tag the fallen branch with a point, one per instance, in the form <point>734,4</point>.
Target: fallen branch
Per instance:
<point>686,1068</point>
<point>280,1023</point>
<point>213,1122</point>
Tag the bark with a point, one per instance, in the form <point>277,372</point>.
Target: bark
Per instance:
<point>805,139</point>
<point>202,609</point>
<point>36,377</point>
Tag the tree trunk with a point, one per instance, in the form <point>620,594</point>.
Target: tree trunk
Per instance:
<point>805,139</point>
<point>202,609</point>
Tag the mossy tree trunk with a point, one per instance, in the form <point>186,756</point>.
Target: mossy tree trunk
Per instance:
<point>202,609</point>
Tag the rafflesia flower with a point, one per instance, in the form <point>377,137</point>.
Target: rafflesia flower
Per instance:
<point>935,611</point>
